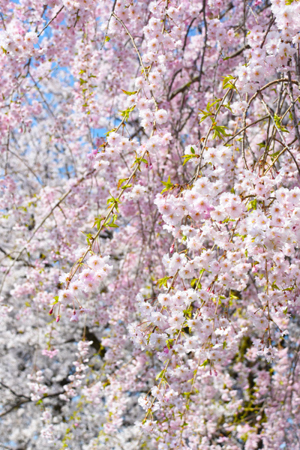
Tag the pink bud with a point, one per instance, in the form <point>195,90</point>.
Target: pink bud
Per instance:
<point>51,311</point>
<point>172,249</point>
<point>57,318</point>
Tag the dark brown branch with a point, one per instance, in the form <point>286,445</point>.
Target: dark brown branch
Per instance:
<point>8,255</point>
<point>229,8</point>
<point>184,87</point>
<point>172,81</point>
<point>13,392</point>
<point>28,400</point>
<point>267,31</point>
<point>53,18</point>
<point>237,53</point>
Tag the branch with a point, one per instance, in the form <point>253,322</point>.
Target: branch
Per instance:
<point>40,225</point>
<point>172,81</point>
<point>187,32</point>
<point>237,53</point>
<point>267,31</point>
<point>25,164</point>
<point>53,18</point>
<point>287,146</point>
<point>13,392</point>
<point>28,400</point>
<point>184,87</point>
<point>291,95</point>
<point>8,255</point>
<point>106,31</point>
<point>138,53</point>
<point>244,128</point>
<point>271,83</point>
<point>229,8</point>
<point>204,46</point>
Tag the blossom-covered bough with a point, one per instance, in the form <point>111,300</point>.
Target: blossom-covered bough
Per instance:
<point>150,223</point>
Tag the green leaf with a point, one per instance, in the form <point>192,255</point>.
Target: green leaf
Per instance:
<point>252,204</point>
<point>168,185</point>
<point>169,342</point>
<point>107,39</point>
<point>139,161</point>
<point>219,131</point>
<point>129,92</point>
<point>204,363</point>
<point>126,112</point>
<point>111,131</point>
<point>114,201</point>
<point>227,107</point>
<point>112,223</point>
<point>187,394</point>
<point>277,120</point>
<point>188,157</point>
<point>227,84</point>
<point>89,236</point>
<point>82,81</point>
<point>194,282</point>
<point>160,375</point>
<point>55,300</point>
<point>121,181</point>
<point>97,222</point>
<point>163,281</point>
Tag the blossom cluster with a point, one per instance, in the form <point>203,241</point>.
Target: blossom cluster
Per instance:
<point>150,207</point>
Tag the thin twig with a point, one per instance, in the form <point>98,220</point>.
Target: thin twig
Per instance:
<point>2,18</point>
<point>291,95</point>
<point>286,146</point>
<point>204,45</point>
<point>139,55</point>
<point>106,31</point>
<point>13,392</point>
<point>184,87</point>
<point>61,134</point>
<point>39,226</point>
<point>237,53</point>
<point>26,165</point>
<point>267,31</point>
<point>244,128</point>
<point>53,18</point>
<point>103,224</point>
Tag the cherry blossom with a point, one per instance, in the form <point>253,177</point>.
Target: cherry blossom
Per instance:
<point>150,207</point>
